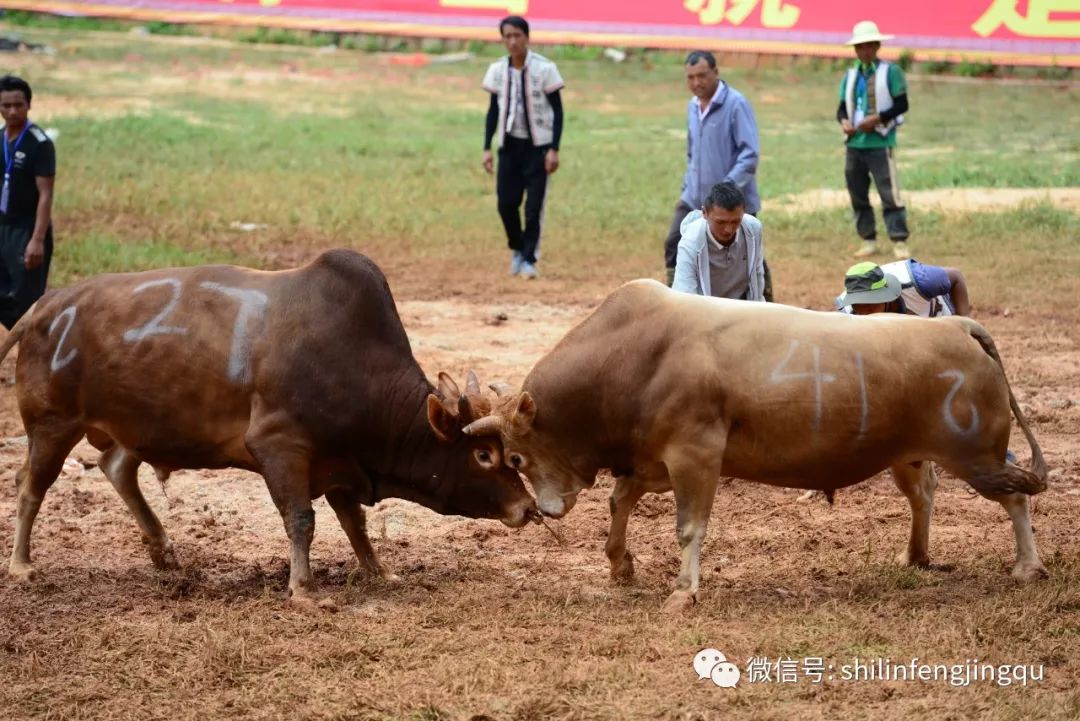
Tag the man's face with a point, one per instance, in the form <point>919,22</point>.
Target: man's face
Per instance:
<point>13,107</point>
<point>869,308</point>
<point>701,79</point>
<point>724,223</point>
<point>516,42</point>
<point>867,52</point>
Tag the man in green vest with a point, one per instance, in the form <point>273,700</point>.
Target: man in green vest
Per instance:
<point>873,100</point>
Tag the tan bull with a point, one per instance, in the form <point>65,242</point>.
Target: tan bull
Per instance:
<point>672,391</point>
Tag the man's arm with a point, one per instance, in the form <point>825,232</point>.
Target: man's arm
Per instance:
<point>490,124</point>
<point>842,118</point>
<point>551,161</point>
<point>757,237</point>
<point>35,249</point>
<point>899,107</point>
<point>744,134</point>
<point>959,291</point>
<point>686,262</point>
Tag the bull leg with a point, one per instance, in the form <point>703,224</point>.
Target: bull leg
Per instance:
<point>695,473</point>
<point>121,468</point>
<point>351,515</point>
<point>628,491</point>
<point>38,473</point>
<point>1028,566</point>
<point>283,456</point>
<point>918,483</point>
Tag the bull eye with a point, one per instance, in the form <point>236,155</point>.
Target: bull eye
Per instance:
<point>516,460</point>
<point>483,456</point>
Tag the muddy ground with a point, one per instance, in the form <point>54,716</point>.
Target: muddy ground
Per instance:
<point>500,624</point>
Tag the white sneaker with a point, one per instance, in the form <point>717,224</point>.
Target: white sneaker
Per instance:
<point>869,247</point>
<point>528,270</point>
<point>515,262</point>
<point>900,250</point>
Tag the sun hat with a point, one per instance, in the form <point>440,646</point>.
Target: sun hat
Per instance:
<point>867,283</point>
<point>866,31</point>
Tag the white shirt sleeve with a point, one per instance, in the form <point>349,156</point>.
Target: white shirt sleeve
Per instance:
<point>553,80</point>
<point>491,79</point>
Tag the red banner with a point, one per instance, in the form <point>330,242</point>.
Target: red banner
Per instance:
<point>1020,31</point>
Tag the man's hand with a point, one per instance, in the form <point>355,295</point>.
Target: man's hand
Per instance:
<point>849,129</point>
<point>551,161</point>
<point>869,123</point>
<point>489,162</point>
<point>35,253</point>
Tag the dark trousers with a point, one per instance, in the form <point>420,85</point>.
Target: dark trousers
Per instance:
<point>878,163</point>
<point>671,247</point>
<point>521,173</point>
<point>20,288</point>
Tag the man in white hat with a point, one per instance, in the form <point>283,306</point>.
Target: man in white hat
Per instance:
<point>873,99</point>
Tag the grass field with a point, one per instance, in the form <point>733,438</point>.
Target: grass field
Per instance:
<point>166,142</point>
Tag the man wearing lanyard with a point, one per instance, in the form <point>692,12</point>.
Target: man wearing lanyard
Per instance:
<point>526,112</point>
<point>873,100</point>
<point>26,241</point>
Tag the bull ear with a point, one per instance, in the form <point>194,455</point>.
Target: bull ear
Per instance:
<point>442,421</point>
<point>472,384</point>
<point>524,412</point>
<point>501,389</point>
<point>465,410</point>
<point>447,387</point>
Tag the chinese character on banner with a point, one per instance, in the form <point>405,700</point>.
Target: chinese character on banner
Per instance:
<point>1037,22</point>
<point>774,13</point>
<point>758,669</point>
<point>788,670</point>
<point>513,7</point>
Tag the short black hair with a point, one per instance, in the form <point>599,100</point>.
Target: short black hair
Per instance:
<point>10,82</point>
<point>726,195</point>
<point>697,56</point>
<point>514,21</point>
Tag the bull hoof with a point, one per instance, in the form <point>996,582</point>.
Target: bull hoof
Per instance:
<point>22,572</point>
<point>905,558</point>
<point>164,559</point>
<point>391,579</point>
<point>1026,573</point>
<point>622,572</point>
<point>679,602</point>
<point>304,601</point>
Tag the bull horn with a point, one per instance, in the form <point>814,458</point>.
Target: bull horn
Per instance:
<point>501,389</point>
<point>472,384</point>
<point>486,426</point>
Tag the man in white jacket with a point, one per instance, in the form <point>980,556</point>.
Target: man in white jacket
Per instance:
<point>721,251</point>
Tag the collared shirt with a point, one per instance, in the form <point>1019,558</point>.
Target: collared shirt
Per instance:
<point>728,267</point>
<point>693,273</point>
<point>702,112</point>
<point>721,144</point>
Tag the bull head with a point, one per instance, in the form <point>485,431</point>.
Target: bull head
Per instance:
<point>447,417</point>
<point>515,413</point>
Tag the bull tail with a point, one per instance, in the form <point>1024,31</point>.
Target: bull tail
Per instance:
<point>982,336</point>
<point>16,333</point>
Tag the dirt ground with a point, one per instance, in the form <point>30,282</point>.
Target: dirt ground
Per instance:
<point>490,623</point>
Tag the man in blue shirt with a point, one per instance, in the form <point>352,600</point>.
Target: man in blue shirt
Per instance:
<point>721,146</point>
<point>906,286</point>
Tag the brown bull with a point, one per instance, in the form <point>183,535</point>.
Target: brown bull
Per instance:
<point>672,391</point>
<point>305,376</point>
